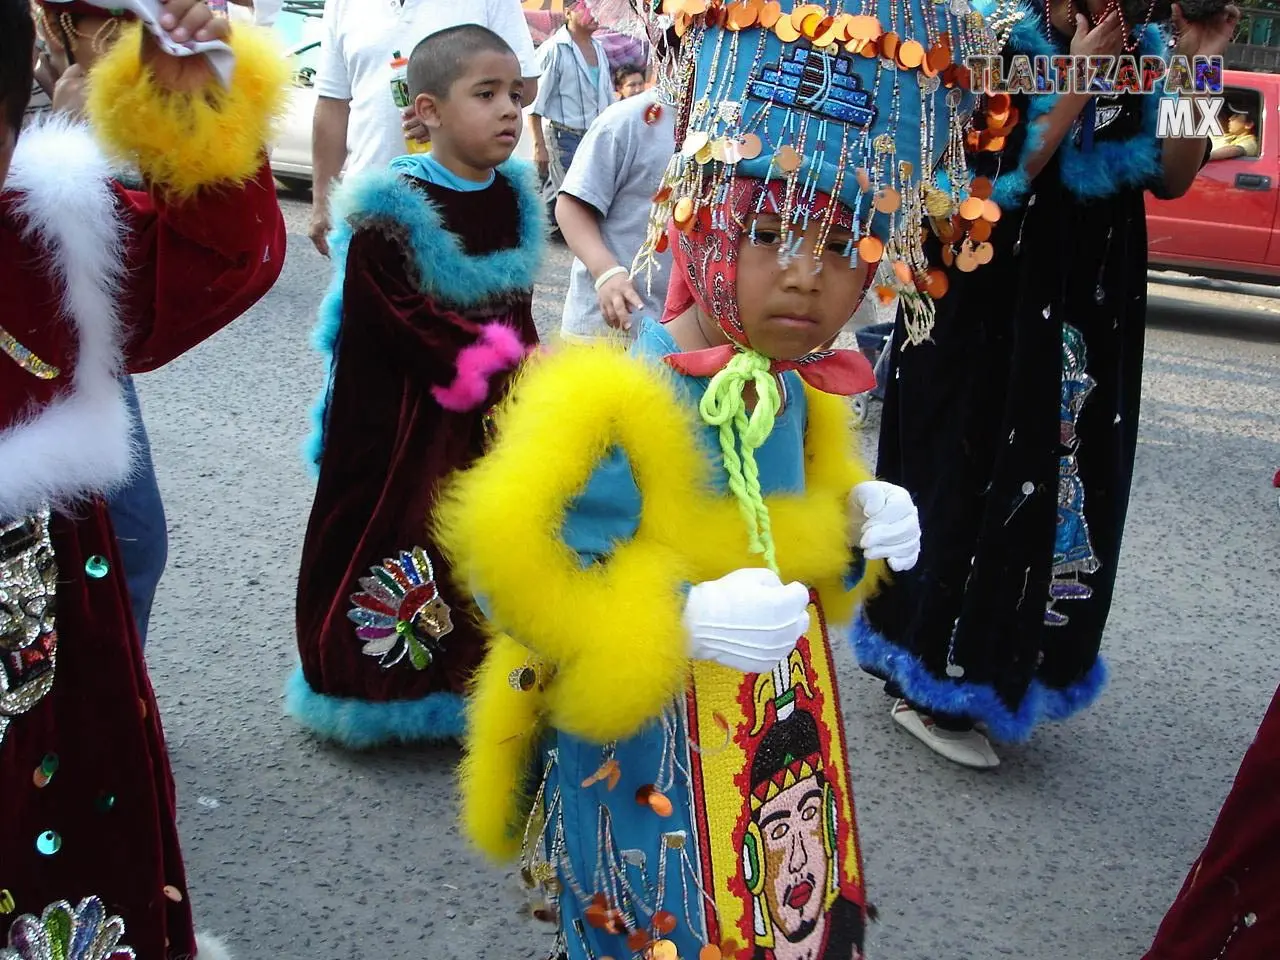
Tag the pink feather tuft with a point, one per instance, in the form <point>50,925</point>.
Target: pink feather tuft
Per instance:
<point>499,349</point>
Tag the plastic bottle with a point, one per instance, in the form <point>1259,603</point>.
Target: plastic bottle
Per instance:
<point>400,94</point>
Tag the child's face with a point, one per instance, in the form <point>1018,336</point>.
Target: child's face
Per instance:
<point>479,121</point>
<point>789,311</point>
<point>631,84</point>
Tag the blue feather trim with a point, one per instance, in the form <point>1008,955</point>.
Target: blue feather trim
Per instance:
<point>975,701</point>
<point>1112,165</point>
<point>445,271</point>
<point>364,724</point>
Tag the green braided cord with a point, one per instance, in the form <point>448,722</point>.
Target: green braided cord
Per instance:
<point>723,406</point>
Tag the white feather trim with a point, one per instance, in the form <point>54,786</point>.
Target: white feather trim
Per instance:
<point>80,444</point>
<point>209,947</point>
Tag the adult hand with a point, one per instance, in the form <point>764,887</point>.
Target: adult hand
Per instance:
<point>184,21</point>
<point>618,298</point>
<point>891,528</point>
<point>748,621</point>
<point>1104,40</point>
<point>542,159</point>
<point>319,230</point>
<point>414,128</point>
<point>1205,38</point>
<point>70,91</point>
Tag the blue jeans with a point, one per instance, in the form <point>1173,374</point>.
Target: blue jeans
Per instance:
<point>138,517</point>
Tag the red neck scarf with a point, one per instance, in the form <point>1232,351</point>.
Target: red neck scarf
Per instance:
<point>705,272</point>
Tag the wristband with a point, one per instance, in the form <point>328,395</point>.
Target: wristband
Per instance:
<point>609,275</point>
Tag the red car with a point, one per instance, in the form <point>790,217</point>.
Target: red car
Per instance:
<point>1225,226</point>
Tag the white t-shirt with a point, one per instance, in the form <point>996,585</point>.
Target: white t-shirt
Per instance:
<point>360,41</point>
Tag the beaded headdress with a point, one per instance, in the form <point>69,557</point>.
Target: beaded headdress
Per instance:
<point>866,104</point>
<point>80,8</point>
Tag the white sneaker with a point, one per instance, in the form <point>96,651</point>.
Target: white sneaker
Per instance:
<point>968,748</point>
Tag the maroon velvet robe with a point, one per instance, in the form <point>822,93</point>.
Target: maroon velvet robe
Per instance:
<point>97,280</point>
<point>1229,906</point>
<point>388,445</point>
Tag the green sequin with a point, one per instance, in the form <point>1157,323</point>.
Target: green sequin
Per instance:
<point>97,567</point>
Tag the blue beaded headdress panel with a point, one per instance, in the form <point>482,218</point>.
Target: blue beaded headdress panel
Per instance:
<point>866,104</point>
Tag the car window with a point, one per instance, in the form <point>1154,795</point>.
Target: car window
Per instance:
<point>1242,120</point>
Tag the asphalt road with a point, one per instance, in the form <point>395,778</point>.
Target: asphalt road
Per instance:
<point>1072,849</point>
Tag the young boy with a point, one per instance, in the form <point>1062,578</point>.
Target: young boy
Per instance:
<point>662,537</point>
<point>603,211</point>
<point>429,311</point>
<point>100,280</point>
<point>628,80</point>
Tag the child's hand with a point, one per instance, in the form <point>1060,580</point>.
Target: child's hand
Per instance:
<point>184,21</point>
<point>617,299</point>
<point>885,523</point>
<point>748,620</point>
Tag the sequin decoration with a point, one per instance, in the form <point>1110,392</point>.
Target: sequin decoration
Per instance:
<point>7,903</point>
<point>28,638</point>
<point>86,932</point>
<point>97,567</point>
<point>24,358</point>
<point>1073,553</point>
<point>44,773</point>
<point>400,614</point>
<point>49,843</point>
<point>105,803</point>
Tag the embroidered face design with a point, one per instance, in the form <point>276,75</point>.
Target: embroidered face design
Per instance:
<point>434,618</point>
<point>796,865</point>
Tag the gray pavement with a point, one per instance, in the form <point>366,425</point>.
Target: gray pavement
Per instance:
<point>1072,849</point>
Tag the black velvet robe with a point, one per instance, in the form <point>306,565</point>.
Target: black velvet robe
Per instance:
<point>388,446</point>
<point>990,626</point>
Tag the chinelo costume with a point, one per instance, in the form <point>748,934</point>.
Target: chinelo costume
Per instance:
<point>661,804</point>
<point>1015,431</point>
<point>100,280</point>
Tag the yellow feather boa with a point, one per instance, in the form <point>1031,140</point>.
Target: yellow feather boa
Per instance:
<point>609,640</point>
<point>181,143</point>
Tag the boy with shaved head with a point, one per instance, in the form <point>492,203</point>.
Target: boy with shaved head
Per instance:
<point>429,311</point>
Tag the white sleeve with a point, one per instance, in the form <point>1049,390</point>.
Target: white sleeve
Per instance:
<point>506,19</point>
<point>333,80</point>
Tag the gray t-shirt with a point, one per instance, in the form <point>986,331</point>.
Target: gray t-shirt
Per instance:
<point>616,170</point>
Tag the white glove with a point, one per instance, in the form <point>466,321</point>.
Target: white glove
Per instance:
<point>748,620</point>
<point>892,528</point>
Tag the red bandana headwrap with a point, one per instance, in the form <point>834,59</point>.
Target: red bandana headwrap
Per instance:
<point>705,272</point>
